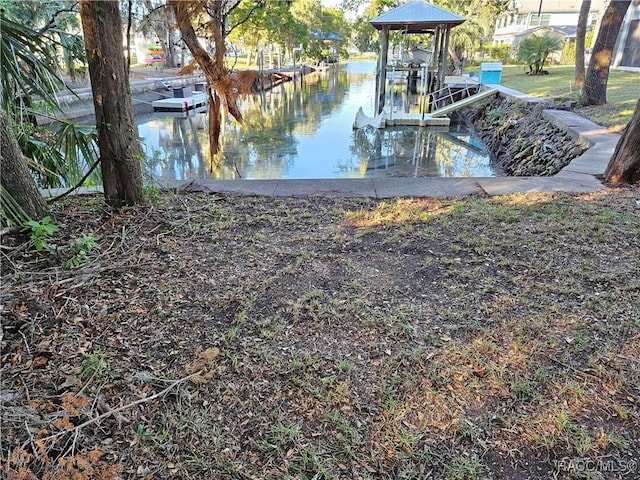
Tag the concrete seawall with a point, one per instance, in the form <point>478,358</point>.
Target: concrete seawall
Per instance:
<point>79,103</point>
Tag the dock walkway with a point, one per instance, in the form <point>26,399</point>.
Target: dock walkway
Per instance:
<point>438,117</point>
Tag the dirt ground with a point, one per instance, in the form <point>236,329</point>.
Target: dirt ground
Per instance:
<point>228,337</point>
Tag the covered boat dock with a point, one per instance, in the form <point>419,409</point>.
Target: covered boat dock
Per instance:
<point>416,17</point>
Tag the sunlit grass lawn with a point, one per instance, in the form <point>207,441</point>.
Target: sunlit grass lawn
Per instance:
<point>623,91</point>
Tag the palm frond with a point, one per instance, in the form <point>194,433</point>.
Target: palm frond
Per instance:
<point>61,153</point>
<point>80,147</point>
<point>29,68</point>
<point>72,50</point>
<point>11,214</point>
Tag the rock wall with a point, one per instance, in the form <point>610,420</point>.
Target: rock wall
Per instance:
<point>522,142</point>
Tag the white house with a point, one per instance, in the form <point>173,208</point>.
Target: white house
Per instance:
<point>560,17</point>
<point>524,17</point>
<point>627,54</point>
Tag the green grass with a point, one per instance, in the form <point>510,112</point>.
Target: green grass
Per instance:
<point>623,91</point>
<point>241,63</point>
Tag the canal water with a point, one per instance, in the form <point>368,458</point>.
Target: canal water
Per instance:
<point>303,129</point>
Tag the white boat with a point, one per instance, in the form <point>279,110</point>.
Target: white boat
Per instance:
<point>417,55</point>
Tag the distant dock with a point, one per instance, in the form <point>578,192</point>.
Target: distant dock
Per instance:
<point>181,104</point>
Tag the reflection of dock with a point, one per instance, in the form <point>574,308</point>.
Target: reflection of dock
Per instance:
<point>462,143</point>
<point>416,152</point>
<point>183,104</point>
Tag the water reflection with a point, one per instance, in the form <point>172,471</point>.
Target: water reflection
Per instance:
<point>304,130</point>
<point>420,152</point>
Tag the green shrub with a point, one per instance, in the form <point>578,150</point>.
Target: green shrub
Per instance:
<point>534,51</point>
<point>568,56</point>
<point>501,53</point>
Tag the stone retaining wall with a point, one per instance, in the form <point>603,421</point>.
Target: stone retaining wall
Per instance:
<point>522,141</point>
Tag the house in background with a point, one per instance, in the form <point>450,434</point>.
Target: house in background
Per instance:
<point>627,54</point>
<point>536,17</point>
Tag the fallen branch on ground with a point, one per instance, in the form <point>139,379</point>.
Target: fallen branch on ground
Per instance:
<point>114,411</point>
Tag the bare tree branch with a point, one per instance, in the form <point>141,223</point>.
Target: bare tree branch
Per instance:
<point>114,411</point>
<point>52,21</point>
<point>78,185</point>
<point>256,6</point>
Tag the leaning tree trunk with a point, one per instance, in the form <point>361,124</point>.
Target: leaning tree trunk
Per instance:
<point>213,68</point>
<point>120,151</point>
<point>595,87</point>
<point>624,166</point>
<point>224,89</point>
<point>581,34</point>
<point>15,175</point>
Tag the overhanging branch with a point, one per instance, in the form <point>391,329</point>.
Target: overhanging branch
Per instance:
<point>52,21</point>
<point>256,6</point>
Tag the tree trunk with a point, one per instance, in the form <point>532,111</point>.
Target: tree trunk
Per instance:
<point>167,48</point>
<point>15,175</point>
<point>595,87</point>
<point>581,34</point>
<point>222,94</point>
<point>624,166</point>
<point>120,152</point>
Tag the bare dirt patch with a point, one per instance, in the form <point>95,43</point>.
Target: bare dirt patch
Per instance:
<point>268,338</point>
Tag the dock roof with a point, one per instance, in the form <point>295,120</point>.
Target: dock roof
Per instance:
<point>416,17</point>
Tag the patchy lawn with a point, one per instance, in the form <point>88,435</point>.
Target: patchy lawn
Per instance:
<point>313,338</point>
<point>623,91</point>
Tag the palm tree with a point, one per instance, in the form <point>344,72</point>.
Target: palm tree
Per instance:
<point>29,78</point>
<point>535,51</point>
<point>29,67</point>
<point>29,81</point>
<point>480,18</point>
<point>28,70</point>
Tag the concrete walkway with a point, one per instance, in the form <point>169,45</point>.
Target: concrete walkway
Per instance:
<point>398,187</point>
